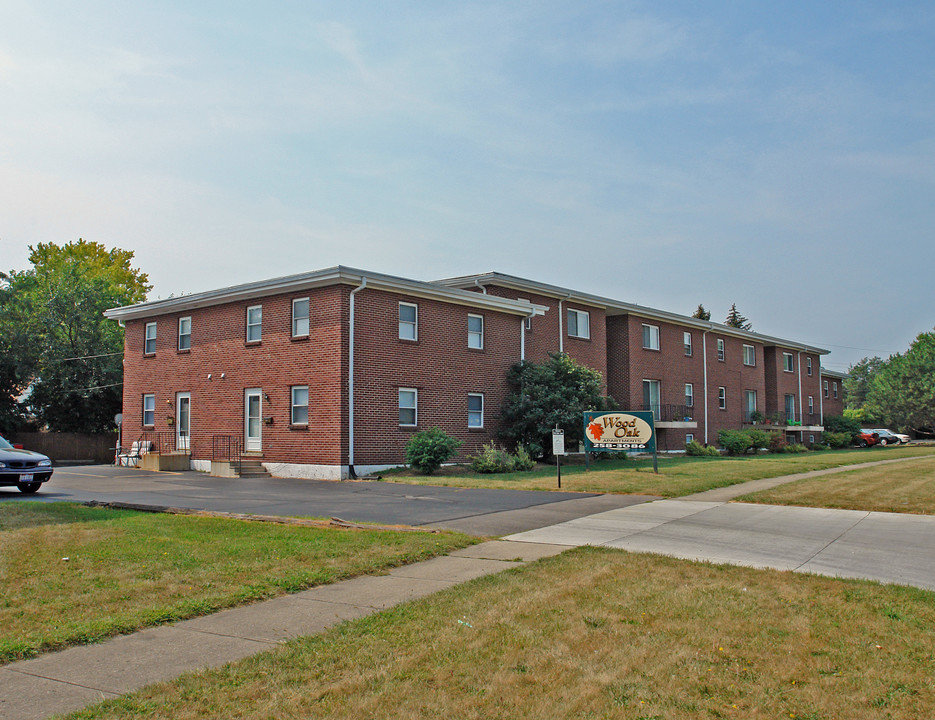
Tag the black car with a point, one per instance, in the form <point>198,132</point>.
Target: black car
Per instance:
<point>24,469</point>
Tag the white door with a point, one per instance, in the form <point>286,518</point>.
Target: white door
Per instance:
<point>253,420</point>
<point>183,421</point>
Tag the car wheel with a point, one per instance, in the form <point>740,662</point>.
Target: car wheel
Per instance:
<point>28,488</point>
<point>861,443</point>
<point>883,441</point>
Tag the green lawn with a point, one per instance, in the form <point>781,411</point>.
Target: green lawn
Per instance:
<point>592,633</point>
<point>72,574</point>
<point>678,475</point>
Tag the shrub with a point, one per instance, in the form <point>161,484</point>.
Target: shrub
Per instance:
<point>840,424</point>
<point>712,451</point>
<point>776,442</point>
<point>427,450</point>
<point>837,439</point>
<point>736,442</point>
<point>493,459</point>
<point>795,448</point>
<point>758,439</point>
<point>695,449</point>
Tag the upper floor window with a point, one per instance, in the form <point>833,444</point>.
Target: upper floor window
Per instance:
<point>720,350</point>
<point>834,390</point>
<point>687,340</point>
<point>651,337</point>
<point>255,323</point>
<point>408,321</point>
<point>408,406</point>
<point>300,405</point>
<point>787,362</point>
<point>149,344</point>
<point>808,366</point>
<point>185,333</point>
<point>475,410</point>
<point>811,405</point>
<point>749,355</point>
<point>300,317</point>
<point>722,398</point>
<point>689,395</point>
<point>826,388</point>
<point>476,331</point>
<point>149,409</point>
<point>579,324</point>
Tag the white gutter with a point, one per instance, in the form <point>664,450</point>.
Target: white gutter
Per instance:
<point>821,396</point>
<point>350,384</point>
<point>522,336</point>
<point>561,331</point>
<point>480,287</point>
<point>704,353</point>
<point>799,361</point>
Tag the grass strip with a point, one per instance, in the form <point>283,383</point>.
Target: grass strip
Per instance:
<point>71,574</point>
<point>593,633</point>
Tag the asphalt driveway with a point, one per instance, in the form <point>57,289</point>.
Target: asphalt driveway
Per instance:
<point>478,512</point>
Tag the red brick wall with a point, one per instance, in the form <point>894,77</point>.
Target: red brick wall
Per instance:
<point>832,405</point>
<point>737,378</point>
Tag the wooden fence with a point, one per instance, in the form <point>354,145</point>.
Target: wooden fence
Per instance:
<point>67,448</point>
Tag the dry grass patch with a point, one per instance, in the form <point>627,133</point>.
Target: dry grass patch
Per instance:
<point>677,476</point>
<point>907,487</point>
<point>71,574</point>
<point>594,634</point>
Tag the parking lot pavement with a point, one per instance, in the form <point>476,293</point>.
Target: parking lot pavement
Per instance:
<point>478,512</point>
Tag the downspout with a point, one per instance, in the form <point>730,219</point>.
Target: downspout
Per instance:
<point>704,365</point>
<point>561,330</point>
<point>522,335</point>
<point>801,414</point>
<point>352,474</point>
<point>821,396</point>
<point>479,286</point>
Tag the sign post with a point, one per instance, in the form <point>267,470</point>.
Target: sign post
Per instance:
<point>558,449</point>
<point>620,430</point>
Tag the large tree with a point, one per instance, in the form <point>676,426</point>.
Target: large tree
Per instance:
<point>736,320</point>
<point>902,393</point>
<point>858,381</point>
<point>66,355</point>
<point>701,313</point>
<point>554,393</point>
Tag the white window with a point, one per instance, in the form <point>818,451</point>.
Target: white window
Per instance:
<point>749,404</point>
<point>689,395</point>
<point>834,389</point>
<point>787,363</point>
<point>826,388</point>
<point>476,331</point>
<point>722,398</point>
<point>408,406</point>
<point>254,323</point>
<point>811,405</point>
<point>579,324</point>
<point>720,350</point>
<point>689,437</point>
<point>149,345</point>
<point>475,410</point>
<point>687,339</point>
<point>651,398</point>
<point>185,333</point>
<point>408,322</point>
<point>149,409</point>
<point>749,355</point>
<point>300,405</point>
<point>650,337</point>
<point>811,439</point>
<point>300,317</point>
<point>808,366</point>
<point>790,407</point>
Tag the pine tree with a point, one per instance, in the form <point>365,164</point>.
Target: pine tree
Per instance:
<point>701,313</point>
<point>736,320</point>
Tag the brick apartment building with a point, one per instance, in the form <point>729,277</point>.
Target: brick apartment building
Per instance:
<point>325,373</point>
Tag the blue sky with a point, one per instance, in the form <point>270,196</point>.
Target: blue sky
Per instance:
<point>780,156</point>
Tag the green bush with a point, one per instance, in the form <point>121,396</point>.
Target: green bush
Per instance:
<point>776,442</point>
<point>736,442</point>
<point>758,439</point>
<point>712,451</point>
<point>795,448</point>
<point>427,450</point>
<point>838,440</point>
<point>695,449</point>
<point>840,424</point>
<point>493,459</point>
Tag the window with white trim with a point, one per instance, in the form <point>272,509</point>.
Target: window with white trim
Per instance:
<point>185,333</point>
<point>788,364</point>
<point>808,366</point>
<point>834,390</point>
<point>689,437</point>
<point>687,340</point>
<point>408,407</point>
<point>722,398</point>
<point>652,398</point>
<point>149,343</point>
<point>300,404</point>
<point>579,324</point>
<point>149,409</point>
<point>300,321</point>
<point>826,388</point>
<point>476,332</point>
<point>749,355</point>
<point>689,395</point>
<point>790,407</point>
<point>720,350</point>
<point>254,323</point>
<point>408,321</point>
<point>475,410</point>
<point>650,337</point>
<point>811,405</point>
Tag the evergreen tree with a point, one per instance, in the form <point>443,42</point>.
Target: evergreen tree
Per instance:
<point>701,313</point>
<point>736,320</point>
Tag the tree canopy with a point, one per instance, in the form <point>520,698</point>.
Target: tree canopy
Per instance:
<point>858,380</point>
<point>902,391</point>
<point>554,393</point>
<point>62,364</point>
<point>701,313</point>
<point>736,320</point>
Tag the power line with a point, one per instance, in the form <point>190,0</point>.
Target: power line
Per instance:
<point>86,357</point>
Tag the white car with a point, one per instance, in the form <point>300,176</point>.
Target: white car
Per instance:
<point>888,437</point>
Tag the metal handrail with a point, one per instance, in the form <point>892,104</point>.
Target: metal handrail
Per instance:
<point>226,448</point>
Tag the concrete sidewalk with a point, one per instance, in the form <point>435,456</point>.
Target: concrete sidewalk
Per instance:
<point>72,679</point>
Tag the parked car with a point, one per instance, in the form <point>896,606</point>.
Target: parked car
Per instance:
<point>866,438</point>
<point>891,437</point>
<point>24,469</point>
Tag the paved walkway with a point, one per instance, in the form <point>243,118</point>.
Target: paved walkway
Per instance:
<point>879,546</point>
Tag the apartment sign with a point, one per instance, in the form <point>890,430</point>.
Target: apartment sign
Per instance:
<point>619,431</point>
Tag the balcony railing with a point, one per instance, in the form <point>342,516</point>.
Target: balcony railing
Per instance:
<point>781,419</point>
<point>670,413</point>
<point>165,442</point>
<point>226,448</point>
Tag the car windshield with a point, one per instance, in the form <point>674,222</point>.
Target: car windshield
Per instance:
<point>4,445</point>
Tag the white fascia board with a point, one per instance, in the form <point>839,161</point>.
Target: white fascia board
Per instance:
<point>825,372</point>
<point>616,307</point>
<point>339,275</point>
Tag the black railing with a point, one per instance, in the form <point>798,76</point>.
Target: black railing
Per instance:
<point>671,413</point>
<point>781,419</point>
<point>226,448</point>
